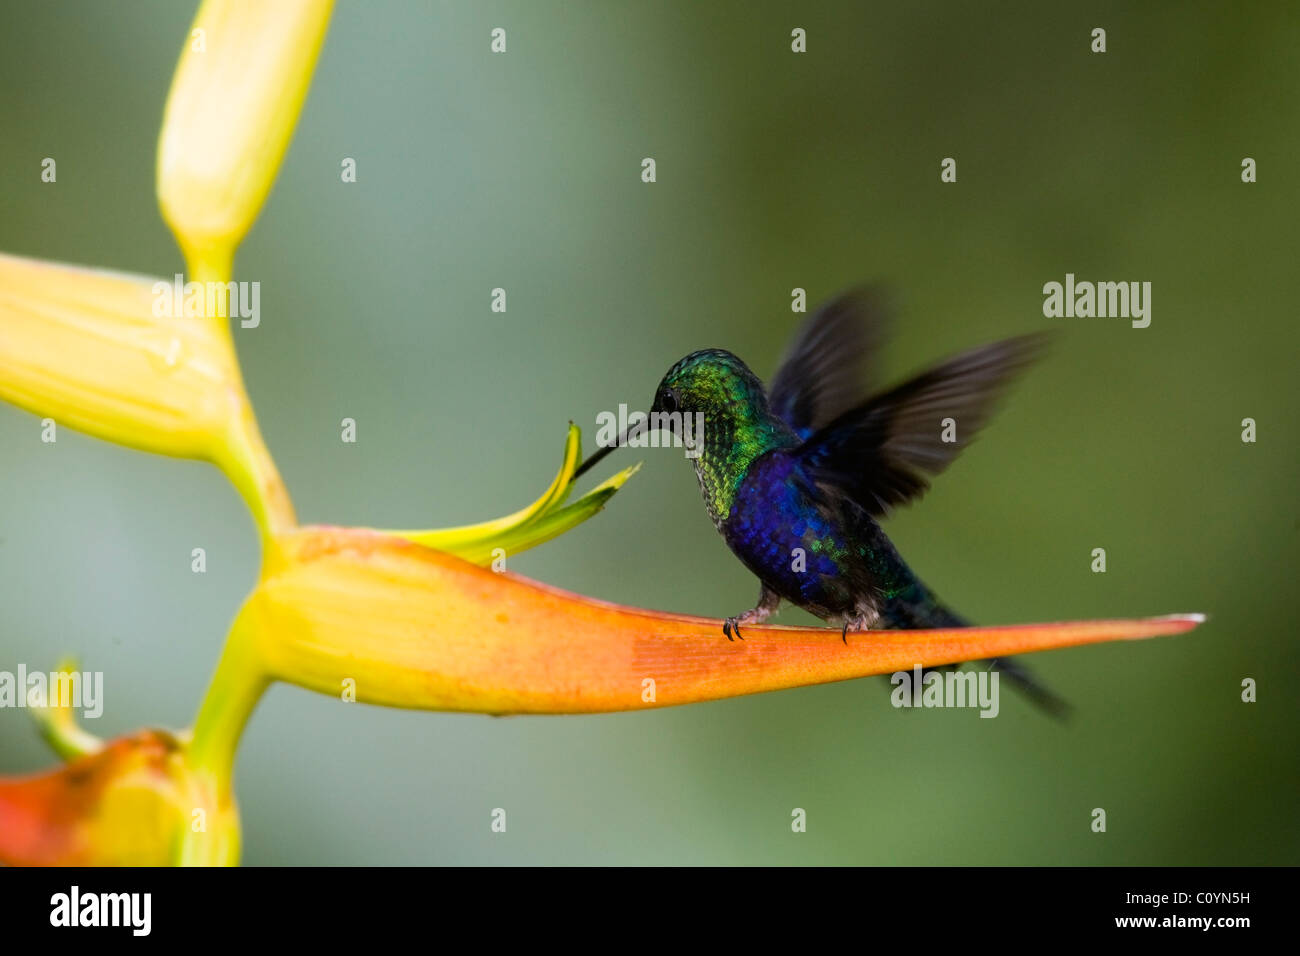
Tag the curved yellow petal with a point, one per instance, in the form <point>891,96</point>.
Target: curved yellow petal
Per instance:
<point>234,102</point>
<point>541,521</point>
<point>551,525</point>
<point>411,627</point>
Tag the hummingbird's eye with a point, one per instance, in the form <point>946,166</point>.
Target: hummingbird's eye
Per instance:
<point>669,401</point>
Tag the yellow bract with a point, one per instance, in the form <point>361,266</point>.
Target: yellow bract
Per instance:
<point>84,348</point>
<point>235,99</point>
<point>118,357</point>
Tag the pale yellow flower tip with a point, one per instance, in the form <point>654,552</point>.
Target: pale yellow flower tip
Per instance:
<point>544,519</point>
<point>87,349</point>
<point>240,84</point>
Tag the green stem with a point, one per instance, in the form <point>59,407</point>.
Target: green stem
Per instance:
<point>64,737</point>
<point>250,468</point>
<point>211,263</point>
<point>236,687</point>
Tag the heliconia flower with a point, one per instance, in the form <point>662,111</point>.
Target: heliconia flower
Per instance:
<point>239,87</point>
<point>134,802</point>
<point>408,626</point>
<point>401,618</point>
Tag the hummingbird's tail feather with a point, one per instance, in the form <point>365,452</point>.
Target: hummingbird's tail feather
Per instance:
<point>1024,681</point>
<point>1038,693</point>
<point>922,610</point>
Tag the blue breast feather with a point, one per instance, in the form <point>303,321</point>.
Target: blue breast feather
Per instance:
<point>778,530</point>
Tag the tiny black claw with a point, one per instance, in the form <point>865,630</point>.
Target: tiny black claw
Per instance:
<point>844,635</point>
<point>726,629</point>
<point>729,626</point>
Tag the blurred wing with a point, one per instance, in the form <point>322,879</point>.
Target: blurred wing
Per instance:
<point>827,368</point>
<point>879,452</point>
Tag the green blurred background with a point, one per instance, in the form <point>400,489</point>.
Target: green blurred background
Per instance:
<point>775,170</point>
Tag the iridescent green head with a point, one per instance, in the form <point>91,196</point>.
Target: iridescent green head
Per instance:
<point>720,393</point>
<point>711,381</point>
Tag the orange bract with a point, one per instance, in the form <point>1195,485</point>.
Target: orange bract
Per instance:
<point>413,627</point>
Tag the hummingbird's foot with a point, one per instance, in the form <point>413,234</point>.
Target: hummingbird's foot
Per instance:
<point>862,622</point>
<point>732,624</point>
<point>768,602</point>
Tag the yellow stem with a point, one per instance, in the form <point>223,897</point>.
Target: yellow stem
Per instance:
<point>246,460</point>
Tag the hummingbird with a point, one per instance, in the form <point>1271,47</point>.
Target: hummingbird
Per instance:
<point>797,475</point>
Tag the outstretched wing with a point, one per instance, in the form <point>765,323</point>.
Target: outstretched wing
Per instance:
<point>827,368</point>
<point>878,453</point>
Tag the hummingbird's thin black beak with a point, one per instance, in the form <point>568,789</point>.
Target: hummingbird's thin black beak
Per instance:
<point>597,456</point>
